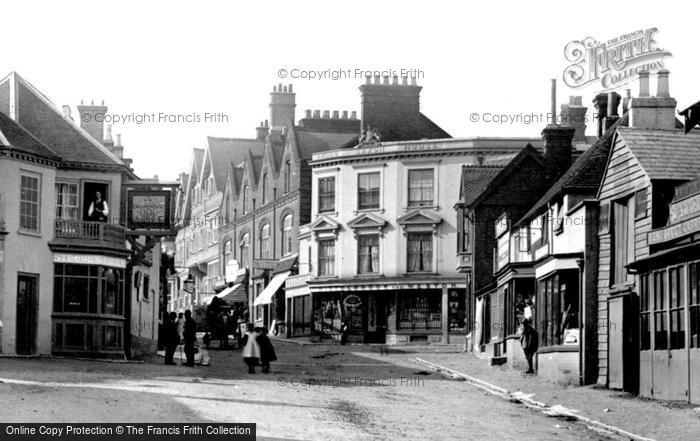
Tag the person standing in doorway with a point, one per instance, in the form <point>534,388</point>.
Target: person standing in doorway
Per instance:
<point>190,337</point>
<point>529,342</point>
<point>98,210</point>
<point>171,337</point>
<point>251,349</point>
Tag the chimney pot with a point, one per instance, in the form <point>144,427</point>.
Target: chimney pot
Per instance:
<point>553,97</point>
<point>345,114</point>
<point>108,133</point>
<point>395,81</point>
<point>643,84</point>
<point>386,80</point>
<point>290,88</point>
<point>118,143</point>
<point>317,114</point>
<point>266,123</point>
<point>368,79</point>
<point>67,112</point>
<point>326,114</point>
<point>353,114</point>
<point>279,87</point>
<point>413,81</point>
<point>613,102</point>
<point>308,113</point>
<point>274,88</point>
<point>336,114</point>
<point>404,80</point>
<point>377,79</point>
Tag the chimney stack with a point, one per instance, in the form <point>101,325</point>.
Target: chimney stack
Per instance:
<point>612,114</point>
<point>92,119</point>
<point>393,109</point>
<point>574,115</point>
<point>282,106</point>
<point>262,131</point>
<point>658,112</point>
<point>558,147</point>
<point>553,96</point>
<point>600,102</point>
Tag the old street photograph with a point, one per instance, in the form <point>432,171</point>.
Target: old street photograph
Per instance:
<point>349,221</point>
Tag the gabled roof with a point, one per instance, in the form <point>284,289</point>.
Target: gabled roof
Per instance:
<point>226,151</point>
<point>664,154</point>
<point>14,136</point>
<point>585,173</point>
<point>527,152</point>
<point>474,182</point>
<point>38,115</point>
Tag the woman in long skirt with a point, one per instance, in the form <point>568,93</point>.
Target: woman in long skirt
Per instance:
<point>251,349</point>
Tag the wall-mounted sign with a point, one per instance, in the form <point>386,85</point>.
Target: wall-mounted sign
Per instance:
<point>89,259</point>
<point>188,286</point>
<point>672,232</point>
<point>352,301</point>
<point>149,210</point>
<point>684,209</point>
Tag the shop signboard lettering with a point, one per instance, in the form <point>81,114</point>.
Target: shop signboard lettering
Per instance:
<point>352,301</point>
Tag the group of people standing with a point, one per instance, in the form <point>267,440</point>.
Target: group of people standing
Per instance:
<point>182,329</point>
<point>179,330</point>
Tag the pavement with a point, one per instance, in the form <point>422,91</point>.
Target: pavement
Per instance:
<point>314,392</point>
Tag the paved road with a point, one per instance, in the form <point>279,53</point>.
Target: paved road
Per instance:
<point>314,392</point>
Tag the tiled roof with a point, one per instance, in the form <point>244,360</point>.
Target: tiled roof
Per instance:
<point>36,114</point>
<point>474,181</point>
<point>585,173</point>
<point>664,154</point>
<point>484,189</point>
<point>15,136</point>
<point>310,142</point>
<point>226,151</point>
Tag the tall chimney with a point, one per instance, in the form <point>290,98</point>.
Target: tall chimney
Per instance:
<point>558,147</point>
<point>392,109</point>
<point>600,102</point>
<point>118,149</point>
<point>92,119</point>
<point>658,112</point>
<point>554,102</point>
<point>282,105</point>
<point>612,114</point>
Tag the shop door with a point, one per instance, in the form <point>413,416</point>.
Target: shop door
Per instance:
<point>670,359</point>
<point>26,317</point>
<point>623,343</point>
<point>376,319</point>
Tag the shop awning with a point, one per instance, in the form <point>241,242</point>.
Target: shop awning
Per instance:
<point>301,290</point>
<point>234,294</point>
<point>266,296</point>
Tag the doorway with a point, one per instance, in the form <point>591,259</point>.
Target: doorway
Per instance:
<point>27,309</point>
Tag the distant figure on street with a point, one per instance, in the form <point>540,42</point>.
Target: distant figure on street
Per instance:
<point>181,327</point>
<point>222,330</point>
<point>251,349</point>
<point>98,210</point>
<point>190,337</point>
<point>344,331</point>
<point>529,342</point>
<point>170,336</point>
<point>267,351</point>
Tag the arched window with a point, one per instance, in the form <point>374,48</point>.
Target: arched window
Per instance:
<point>245,250</point>
<point>287,176</point>
<point>264,189</point>
<point>245,199</point>
<point>287,234</point>
<point>265,242</point>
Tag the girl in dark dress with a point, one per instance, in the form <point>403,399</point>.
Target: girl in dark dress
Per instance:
<point>267,351</point>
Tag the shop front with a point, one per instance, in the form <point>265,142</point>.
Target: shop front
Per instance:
<point>428,313</point>
<point>88,316</point>
<point>669,304</point>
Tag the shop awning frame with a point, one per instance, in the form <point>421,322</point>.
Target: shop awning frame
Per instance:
<point>276,283</point>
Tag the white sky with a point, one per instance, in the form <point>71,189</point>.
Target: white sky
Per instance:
<point>196,57</point>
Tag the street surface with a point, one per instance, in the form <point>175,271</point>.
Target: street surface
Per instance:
<point>312,393</point>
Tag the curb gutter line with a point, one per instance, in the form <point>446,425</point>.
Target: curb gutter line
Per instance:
<point>519,397</point>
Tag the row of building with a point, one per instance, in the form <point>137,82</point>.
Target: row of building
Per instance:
<point>74,279</point>
<point>406,235</point>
